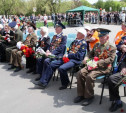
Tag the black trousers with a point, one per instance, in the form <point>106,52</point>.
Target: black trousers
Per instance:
<point>31,63</point>
<point>2,52</point>
<point>113,90</point>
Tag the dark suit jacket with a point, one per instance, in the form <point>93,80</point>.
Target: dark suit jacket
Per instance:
<point>44,43</point>
<point>12,40</point>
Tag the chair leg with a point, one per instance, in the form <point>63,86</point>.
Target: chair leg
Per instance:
<point>102,91</point>
<point>72,74</point>
<point>54,76</point>
<point>124,91</point>
<point>57,76</point>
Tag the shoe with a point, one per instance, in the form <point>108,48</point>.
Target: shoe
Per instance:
<point>115,107</point>
<point>29,71</point>
<point>12,67</point>
<point>17,69</point>
<point>38,78</point>
<point>112,104</point>
<point>38,83</point>
<point>78,99</point>
<point>88,101</point>
<point>34,72</point>
<point>9,64</point>
<point>64,87</point>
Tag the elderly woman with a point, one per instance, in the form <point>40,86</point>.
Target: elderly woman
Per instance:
<point>43,43</point>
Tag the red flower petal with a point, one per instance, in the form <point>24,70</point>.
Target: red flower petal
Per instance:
<point>122,110</point>
<point>96,59</point>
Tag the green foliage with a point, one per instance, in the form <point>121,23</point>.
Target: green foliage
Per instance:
<point>114,4</point>
<point>11,7</point>
<point>99,4</point>
<point>86,3</point>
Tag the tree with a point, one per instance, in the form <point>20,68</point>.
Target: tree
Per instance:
<point>99,4</point>
<point>123,0</point>
<point>8,7</point>
<point>113,4</point>
<point>85,3</point>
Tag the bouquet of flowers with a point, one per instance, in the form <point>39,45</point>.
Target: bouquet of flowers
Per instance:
<point>122,81</point>
<point>4,38</point>
<point>92,64</point>
<point>28,51</point>
<point>41,53</point>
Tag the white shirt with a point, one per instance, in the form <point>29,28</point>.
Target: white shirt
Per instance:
<point>45,18</point>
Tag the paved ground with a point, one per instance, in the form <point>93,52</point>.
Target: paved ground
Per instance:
<point>19,95</point>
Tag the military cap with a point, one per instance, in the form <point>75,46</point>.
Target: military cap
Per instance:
<point>60,25</point>
<point>102,32</point>
<point>12,24</point>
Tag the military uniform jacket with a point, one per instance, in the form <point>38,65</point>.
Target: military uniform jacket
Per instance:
<point>106,53</point>
<point>44,43</point>
<point>77,51</point>
<point>31,40</point>
<point>18,35</point>
<point>122,42</point>
<point>58,45</point>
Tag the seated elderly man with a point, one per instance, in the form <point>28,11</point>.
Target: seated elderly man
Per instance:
<point>57,48</point>
<point>75,54</point>
<point>16,54</point>
<point>114,79</point>
<point>18,36</point>
<point>8,41</point>
<point>43,44</point>
<point>105,53</point>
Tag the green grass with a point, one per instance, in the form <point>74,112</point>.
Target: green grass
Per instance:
<point>50,24</point>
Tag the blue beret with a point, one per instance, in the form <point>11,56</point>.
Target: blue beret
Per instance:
<point>12,24</point>
<point>60,25</point>
<point>102,32</point>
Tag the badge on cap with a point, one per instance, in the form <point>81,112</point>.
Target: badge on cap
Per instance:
<point>60,25</point>
<point>102,32</point>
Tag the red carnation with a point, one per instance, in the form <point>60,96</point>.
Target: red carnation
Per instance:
<point>96,59</point>
<point>66,59</point>
<point>124,82</point>
<point>5,38</point>
<point>22,48</point>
